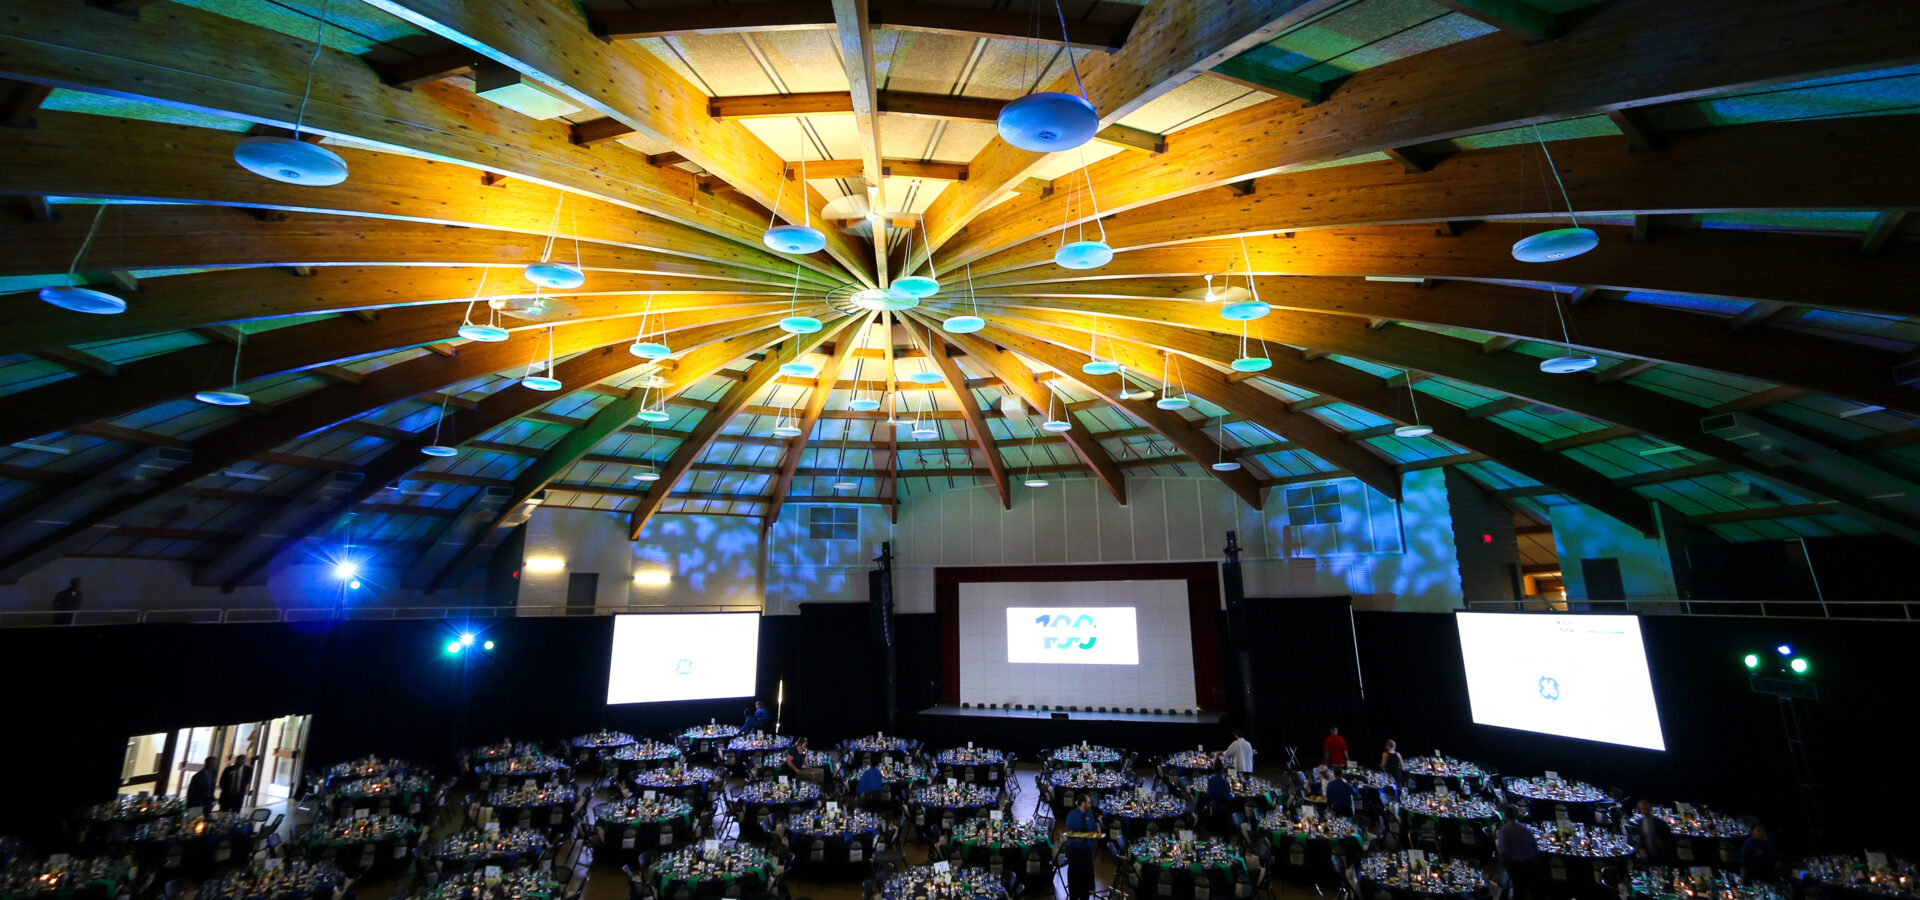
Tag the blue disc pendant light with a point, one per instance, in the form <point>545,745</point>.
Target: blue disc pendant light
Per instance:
<point>1560,243</point>
<point>291,160</point>
<point>1082,253</point>
<point>1050,121</point>
<point>802,239</point>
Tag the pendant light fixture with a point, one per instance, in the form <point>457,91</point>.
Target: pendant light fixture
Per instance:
<point>918,286</point>
<point>558,275</point>
<point>893,409</point>
<point>802,239</point>
<point>1569,362</point>
<point>795,367</point>
<point>231,396</point>
<point>795,323</point>
<point>1049,121</point>
<point>1413,429</point>
<point>651,349</point>
<point>1128,393</point>
<point>293,160</point>
<point>544,381</point>
<point>1081,253</point>
<point>861,401</point>
<point>1220,461</point>
<point>928,374</point>
<point>922,428</point>
<point>647,474</point>
<point>1252,307</point>
<point>840,481</point>
<point>786,425</point>
<point>1168,399</point>
<point>1560,243</point>
<point>1053,425</point>
<point>491,331</point>
<point>436,448</point>
<point>1032,479</point>
<point>971,321</point>
<point>74,298</point>
<point>1094,364</point>
<point>1247,362</point>
<point>653,404</point>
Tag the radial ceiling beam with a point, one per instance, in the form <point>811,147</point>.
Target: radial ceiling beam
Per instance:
<point>1626,53</point>
<point>177,55</point>
<point>936,349</point>
<point>79,155</point>
<point>1824,365</point>
<point>1515,17</point>
<point>548,42</point>
<point>856,59</point>
<point>810,418</point>
<point>820,15</point>
<point>1173,42</point>
<point>1019,378</point>
<point>1720,169</point>
<point>1801,270</point>
<point>832,169</point>
<point>710,424</point>
<point>910,104</point>
<point>1261,68</point>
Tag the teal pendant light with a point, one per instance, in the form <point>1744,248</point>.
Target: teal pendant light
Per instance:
<point>920,286</point>
<point>232,395</point>
<point>970,321</point>
<point>1252,307</point>
<point>1560,243</point>
<point>1051,121</point>
<point>436,448</point>
<point>795,323</point>
<point>559,276</point>
<point>657,347</point>
<point>1569,362</point>
<point>544,382</point>
<point>1094,364</point>
<point>292,160</point>
<point>1082,253</point>
<point>1168,399</point>
<point>1247,362</point>
<point>796,240</point>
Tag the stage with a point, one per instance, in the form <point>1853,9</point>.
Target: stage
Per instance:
<point>1028,731</point>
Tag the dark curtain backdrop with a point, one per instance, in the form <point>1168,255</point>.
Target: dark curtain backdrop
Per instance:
<point>1302,672</point>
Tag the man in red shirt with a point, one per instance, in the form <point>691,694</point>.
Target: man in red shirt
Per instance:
<point>1335,747</point>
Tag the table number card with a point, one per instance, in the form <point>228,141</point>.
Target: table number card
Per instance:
<point>833,806</point>
<point>57,859</point>
<point>941,866</point>
<point>1876,860</point>
<point>783,779</point>
<point>1561,818</point>
<point>1552,775</point>
<point>1086,767</point>
<point>1440,790</point>
<point>1309,813</point>
<point>953,782</point>
<point>1702,873</point>
<point>491,827</point>
<point>274,865</point>
<point>1686,809</point>
<point>360,813</point>
<point>1186,836</point>
<point>646,795</point>
<point>492,874</point>
<point>1417,857</point>
<point>969,745</point>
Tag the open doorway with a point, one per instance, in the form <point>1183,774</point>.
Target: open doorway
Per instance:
<point>162,763</point>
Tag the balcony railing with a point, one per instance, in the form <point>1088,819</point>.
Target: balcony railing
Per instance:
<point>269,615</point>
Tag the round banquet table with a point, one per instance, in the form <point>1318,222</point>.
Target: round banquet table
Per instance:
<point>963,883</point>
<point>1189,763</point>
<point>1848,878</point>
<point>1129,816</point>
<point>524,769</point>
<point>770,766</point>
<point>631,827</point>
<point>1460,822</point>
<point>1213,863</point>
<point>1377,789</point>
<point>1248,791</point>
<point>380,795</point>
<point>111,822</point>
<point>549,806</point>
<point>758,742</point>
<point>510,886</point>
<point>503,750</point>
<point>647,754</point>
<point>1451,879</point>
<point>1458,775</point>
<point>1573,860</point>
<point>370,767</point>
<point>382,843</point>
<point>292,880</point>
<point>838,839</point>
<point>1306,845</point>
<point>1545,799</point>
<point>478,849</point>
<point>999,846</point>
<point>862,750</point>
<point>1663,883</point>
<point>693,783</point>
<point>1068,784</point>
<point>941,805</point>
<point>1100,757</point>
<point>196,847</point>
<point>972,765</point>
<point>707,740</point>
<point>101,878</point>
<point>703,874</point>
<point>603,740</point>
<point>1701,837</point>
<point>764,802</point>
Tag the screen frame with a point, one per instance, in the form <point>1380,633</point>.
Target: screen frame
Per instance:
<point>1639,620</point>
<point>759,648</point>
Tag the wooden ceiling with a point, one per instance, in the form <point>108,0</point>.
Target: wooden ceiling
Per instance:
<point>1748,166</point>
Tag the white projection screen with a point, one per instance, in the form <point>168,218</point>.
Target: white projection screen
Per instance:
<point>1076,643</point>
<point>692,656</point>
<point>1577,676</point>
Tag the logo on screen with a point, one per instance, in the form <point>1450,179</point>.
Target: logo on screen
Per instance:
<point>1549,687</point>
<point>1076,627</point>
<point>685,667</point>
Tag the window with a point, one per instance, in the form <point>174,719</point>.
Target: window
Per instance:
<point>1317,504</point>
<point>833,523</point>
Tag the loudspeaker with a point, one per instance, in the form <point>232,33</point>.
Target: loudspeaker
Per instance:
<point>1059,717</point>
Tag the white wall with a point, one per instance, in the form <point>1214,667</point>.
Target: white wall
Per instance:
<point>1581,532</point>
<point>801,569</point>
<point>713,560</point>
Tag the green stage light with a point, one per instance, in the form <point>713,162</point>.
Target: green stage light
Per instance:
<point>1752,661</point>
<point>487,646</point>
<point>453,647</point>
<point>1799,665</point>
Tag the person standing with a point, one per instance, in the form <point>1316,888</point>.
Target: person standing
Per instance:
<point>234,782</point>
<point>200,786</point>
<point>1656,837</point>
<point>1759,855</point>
<point>1335,747</point>
<point>1239,754</point>
<point>759,719</point>
<point>1392,762</point>
<point>1515,848</point>
<point>797,768</point>
<point>1081,830</point>
<point>1341,797</point>
<point>65,602</point>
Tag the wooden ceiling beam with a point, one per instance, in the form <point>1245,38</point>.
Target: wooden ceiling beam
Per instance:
<point>855,42</point>
<point>830,169</point>
<point>936,349</point>
<point>1625,53</point>
<point>178,55</point>
<point>818,15</point>
<point>20,102</point>
<point>810,415</point>
<point>1262,68</point>
<point>1173,42</point>
<point>1719,169</point>
<point>1515,17</point>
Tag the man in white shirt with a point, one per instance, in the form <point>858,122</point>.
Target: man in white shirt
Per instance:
<point>1239,754</point>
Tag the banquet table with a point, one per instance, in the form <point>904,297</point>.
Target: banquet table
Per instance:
<point>644,754</point>
<point>759,742</point>
<point>1186,863</point>
<point>762,802</point>
<point>1377,789</point>
<point>99,878</point>
<point>110,822</point>
<point>503,750</point>
<point>942,804</point>
<point>509,886</point>
<point>986,842</point>
<point>1575,853</point>
<point>899,776</point>
<point>1100,757</point>
<point>292,879</point>
<point>603,740</point>
<point>862,750</point>
<point>1188,763</point>
<point>1458,775</point>
<point>544,806</point>
<point>1131,815</point>
<point>972,764</point>
<point>1853,877</point>
<point>1701,837</point>
<point>1306,843</point>
<point>379,842</point>
<point>707,739</point>
<point>771,765</point>
<point>1665,883</point>
<point>369,767</point>
<point>1546,798</point>
<point>694,783</point>
<point>537,766</point>
<point>1248,790</point>
<point>1460,821</point>
<point>192,846</point>
<point>637,825</point>
<point>929,883</point>
<point>476,849</point>
<point>1401,876</point>
<point>1068,784</point>
<point>704,872</point>
<point>380,794</point>
<point>836,838</point>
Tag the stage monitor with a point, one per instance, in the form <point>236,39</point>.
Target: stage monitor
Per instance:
<point>689,656</point>
<point>1577,676</point>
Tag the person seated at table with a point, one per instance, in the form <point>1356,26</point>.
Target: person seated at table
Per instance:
<point>1340,795</point>
<point>1759,855</point>
<point>1219,795</point>
<point>796,766</point>
<point>871,781</point>
<point>1391,761</point>
<point>1335,747</point>
<point>759,718</point>
<point>1514,847</point>
<point>1656,837</point>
